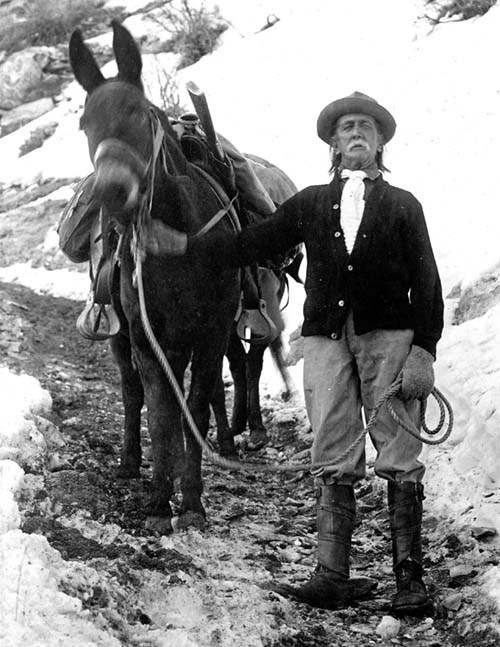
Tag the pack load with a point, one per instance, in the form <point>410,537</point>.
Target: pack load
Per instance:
<point>76,221</point>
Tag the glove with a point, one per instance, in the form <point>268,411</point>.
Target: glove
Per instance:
<point>417,374</point>
<point>162,239</point>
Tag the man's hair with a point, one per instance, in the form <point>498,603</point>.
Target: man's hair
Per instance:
<point>335,156</point>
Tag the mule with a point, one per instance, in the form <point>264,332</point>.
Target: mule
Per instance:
<point>142,175</point>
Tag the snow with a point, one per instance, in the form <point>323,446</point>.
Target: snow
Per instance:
<point>265,90</point>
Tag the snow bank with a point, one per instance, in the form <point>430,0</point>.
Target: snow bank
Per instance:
<point>34,610</point>
<point>463,476</point>
<point>59,283</point>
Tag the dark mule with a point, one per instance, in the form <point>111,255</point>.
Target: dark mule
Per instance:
<point>246,365</point>
<point>191,306</point>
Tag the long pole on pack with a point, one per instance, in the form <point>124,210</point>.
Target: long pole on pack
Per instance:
<point>201,107</point>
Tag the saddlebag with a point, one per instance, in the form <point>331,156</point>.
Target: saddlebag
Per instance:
<point>76,222</point>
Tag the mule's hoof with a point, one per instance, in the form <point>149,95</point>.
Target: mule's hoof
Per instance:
<point>189,519</point>
<point>257,440</point>
<point>161,525</point>
<point>124,472</point>
<point>228,450</point>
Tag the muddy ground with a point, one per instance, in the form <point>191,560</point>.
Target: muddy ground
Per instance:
<point>270,515</point>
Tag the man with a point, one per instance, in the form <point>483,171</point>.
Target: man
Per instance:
<point>373,312</point>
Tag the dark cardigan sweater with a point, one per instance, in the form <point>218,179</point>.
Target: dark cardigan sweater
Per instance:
<point>389,281</point>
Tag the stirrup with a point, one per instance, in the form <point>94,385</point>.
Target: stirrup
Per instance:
<point>260,323</point>
<point>98,321</point>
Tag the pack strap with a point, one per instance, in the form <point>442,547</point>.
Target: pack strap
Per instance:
<point>227,205</point>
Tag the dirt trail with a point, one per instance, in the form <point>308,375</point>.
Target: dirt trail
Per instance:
<point>260,526</point>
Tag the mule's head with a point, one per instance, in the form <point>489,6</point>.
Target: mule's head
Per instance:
<point>116,120</point>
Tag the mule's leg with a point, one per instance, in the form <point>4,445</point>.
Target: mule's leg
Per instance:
<point>165,429</point>
<point>225,436</point>
<point>206,368</point>
<point>276,348</point>
<point>236,356</point>
<point>258,434</point>
<point>133,399</point>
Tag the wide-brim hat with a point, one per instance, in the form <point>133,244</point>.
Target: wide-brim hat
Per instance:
<point>357,102</point>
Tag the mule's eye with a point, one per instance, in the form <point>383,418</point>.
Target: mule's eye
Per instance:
<point>134,113</point>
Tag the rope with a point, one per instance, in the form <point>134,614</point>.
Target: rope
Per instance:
<point>216,459</point>
<point>445,410</point>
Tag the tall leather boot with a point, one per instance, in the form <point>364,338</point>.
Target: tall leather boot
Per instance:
<point>330,586</point>
<point>405,516</point>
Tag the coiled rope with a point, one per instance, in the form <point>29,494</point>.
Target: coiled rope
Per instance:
<point>215,458</point>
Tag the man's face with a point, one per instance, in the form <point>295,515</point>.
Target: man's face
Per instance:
<point>357,139</point>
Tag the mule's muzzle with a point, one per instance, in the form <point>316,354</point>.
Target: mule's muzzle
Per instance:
<point>120,171</point>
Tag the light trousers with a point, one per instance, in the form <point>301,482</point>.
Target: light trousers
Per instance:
<point>342,378</point>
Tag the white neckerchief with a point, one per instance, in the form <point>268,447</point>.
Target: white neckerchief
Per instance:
<point>352,204</point>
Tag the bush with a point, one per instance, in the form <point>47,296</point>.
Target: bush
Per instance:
<point>456,10</point>
<point>194,31</point>
<point>168,98</point>
<point>48,22</point>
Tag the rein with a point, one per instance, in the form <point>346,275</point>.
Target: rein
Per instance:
<point>139,254</point>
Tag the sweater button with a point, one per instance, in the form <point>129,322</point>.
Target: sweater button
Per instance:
<point>337,234</point>
<point>335,206</point>
<point>334,335</point>
<point>350,268</point>
<point>341,302</point>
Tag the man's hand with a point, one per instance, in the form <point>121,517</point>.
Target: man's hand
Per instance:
<point>162,239</point>
<point>417,374</point>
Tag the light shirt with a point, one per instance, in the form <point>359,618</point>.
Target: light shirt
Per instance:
<point>352,203</point>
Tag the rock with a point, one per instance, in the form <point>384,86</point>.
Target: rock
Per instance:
<point>388,627</point>
<point>482,532</point>
<point>461,570</point>
<point>358,628</point>
<point>37,137</point>
<point>20,76</point>
<point>460,575</point>
<point>289,555</point>
<point>453,602</point>
<point>52,435</point>
<point>23,114</point>
<point>479,297</point>
<point>58,463</point>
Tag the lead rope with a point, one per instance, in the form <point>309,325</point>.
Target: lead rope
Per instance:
<point>215,458</point>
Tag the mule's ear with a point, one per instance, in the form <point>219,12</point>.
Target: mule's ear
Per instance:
<point>127,54</point>
<point>83,64</point>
